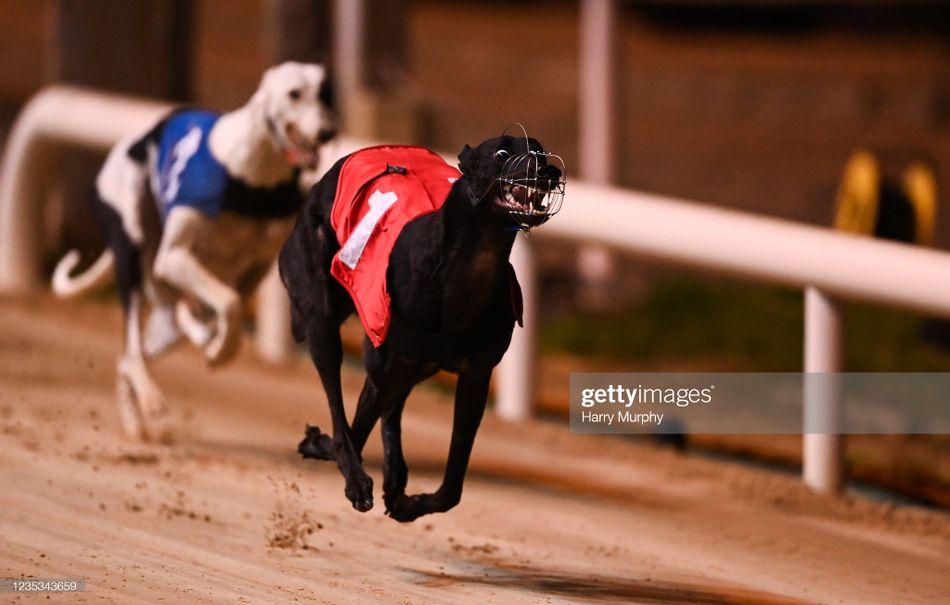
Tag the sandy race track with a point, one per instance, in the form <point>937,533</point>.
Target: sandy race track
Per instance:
<point>224,511</point>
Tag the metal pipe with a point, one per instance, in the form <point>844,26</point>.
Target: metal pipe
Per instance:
<point>822,467</point>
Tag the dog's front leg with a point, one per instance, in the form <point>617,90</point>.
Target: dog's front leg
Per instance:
<point>471,394</point>
<point>395,471</point>
<point>177,265</point>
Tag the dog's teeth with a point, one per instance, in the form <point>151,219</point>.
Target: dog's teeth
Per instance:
<point>510,197</point>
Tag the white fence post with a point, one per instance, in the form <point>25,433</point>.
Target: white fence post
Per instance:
<point>348,50</point>
<point>273,340</point>
<point>596,89</point>
<point>822,452</point>
<point>596,110</point>
<point>516,374</point>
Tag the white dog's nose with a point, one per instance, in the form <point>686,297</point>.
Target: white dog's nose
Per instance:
<point>326,134</point>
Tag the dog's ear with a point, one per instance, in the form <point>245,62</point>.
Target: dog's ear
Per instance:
<point>467,160</point>
<point>327,93</point>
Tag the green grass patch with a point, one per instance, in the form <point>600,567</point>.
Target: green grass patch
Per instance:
<point>688,321</point>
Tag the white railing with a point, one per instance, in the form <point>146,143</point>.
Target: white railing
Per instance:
<point>55,118</point>
<point>825,264</point>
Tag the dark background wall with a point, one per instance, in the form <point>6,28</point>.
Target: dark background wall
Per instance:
<point>751,105</point>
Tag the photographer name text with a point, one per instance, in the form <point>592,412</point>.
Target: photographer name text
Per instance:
<point>619,399</point>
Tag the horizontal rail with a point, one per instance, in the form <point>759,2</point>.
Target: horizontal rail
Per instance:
<point>762,248</point>
<point>672,230</point>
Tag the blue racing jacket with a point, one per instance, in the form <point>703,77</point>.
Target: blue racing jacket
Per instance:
<point>186,172</point>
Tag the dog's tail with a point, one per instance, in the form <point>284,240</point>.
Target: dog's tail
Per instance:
<point>98,275</point>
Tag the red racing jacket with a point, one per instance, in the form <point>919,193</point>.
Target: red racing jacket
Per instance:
<point>381,189</point>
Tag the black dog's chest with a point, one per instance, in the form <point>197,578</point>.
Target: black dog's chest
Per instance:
<point>429,322</point>
<point>450,305</point>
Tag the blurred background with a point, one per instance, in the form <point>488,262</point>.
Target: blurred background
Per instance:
<point>755,105</point>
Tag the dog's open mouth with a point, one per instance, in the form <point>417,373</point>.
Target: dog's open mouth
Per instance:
<point>523,199</point>
<point>300,151</point>
<point>531,187</point>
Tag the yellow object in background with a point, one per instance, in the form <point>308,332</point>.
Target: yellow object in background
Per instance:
<point>920,187</point>
<point>869,204</point>
<point>859,195</point>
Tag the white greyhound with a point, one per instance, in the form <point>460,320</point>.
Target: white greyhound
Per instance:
<point>193,213</point>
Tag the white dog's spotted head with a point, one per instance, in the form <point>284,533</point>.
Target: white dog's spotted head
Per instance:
<point>296,100</point>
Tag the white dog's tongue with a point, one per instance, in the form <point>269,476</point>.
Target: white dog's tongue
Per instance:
<point>300,158</point>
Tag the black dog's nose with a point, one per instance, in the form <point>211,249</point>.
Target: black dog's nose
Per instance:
<point>326,134</point>
<point>549,173</point>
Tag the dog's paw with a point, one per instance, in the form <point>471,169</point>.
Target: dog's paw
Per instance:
<point>391,497</point>
<point>316,445</point>
<point>407,509</point>
<point>142,390</point>
<point>359,491</point>
<point>153,403</point>
<point>161,332</point>
<point>226,341</point>
<point>195,330</point>
<point>133,424</point>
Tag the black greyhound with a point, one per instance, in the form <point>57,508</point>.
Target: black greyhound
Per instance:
<point>454,302</point>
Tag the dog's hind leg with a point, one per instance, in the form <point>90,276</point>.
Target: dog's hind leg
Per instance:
<point>326,349</point>
<point>318,445</point>
<point>138,396</point>
<point>397,381</point>
<point>470,396</point>
<point>137,393</point>
<point>161,330</point>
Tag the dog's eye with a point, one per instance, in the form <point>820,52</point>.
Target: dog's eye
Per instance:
<point>501,155</point>
<point>294,94</point>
